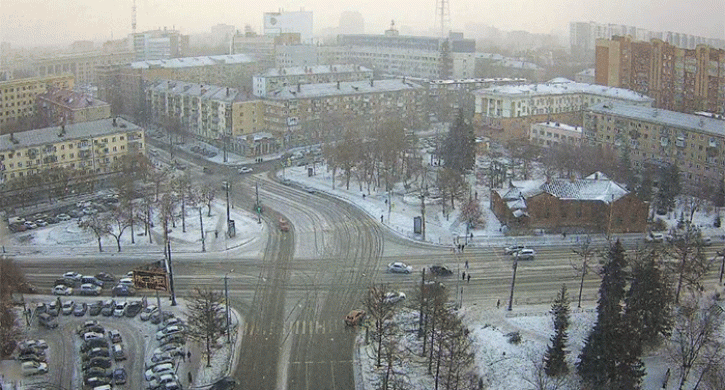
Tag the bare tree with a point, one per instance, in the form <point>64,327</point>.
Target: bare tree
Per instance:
<point>208,193</point>
<point>9,330</point>
<point>381,312</point>
<point>99,226</point>
<point>206,318</point>
<point>196,201</point>
<point>539,380</point>
<point>471,213</point>
<point>585,251</point>
<point>697,346</point>
<point>692,265</point>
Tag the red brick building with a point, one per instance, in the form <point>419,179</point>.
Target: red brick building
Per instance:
<point>592,204</point>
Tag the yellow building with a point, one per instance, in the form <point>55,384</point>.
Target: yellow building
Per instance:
<point>62,106</point>
<point>17,97</point>
<point>90,146</point>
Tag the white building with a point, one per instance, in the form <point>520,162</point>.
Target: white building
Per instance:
<point>159,44</point>
<point>277,23</point>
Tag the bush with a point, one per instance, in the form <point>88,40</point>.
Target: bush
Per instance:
<point>514,337</point>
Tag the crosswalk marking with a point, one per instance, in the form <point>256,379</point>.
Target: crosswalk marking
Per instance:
<point>301,327</point>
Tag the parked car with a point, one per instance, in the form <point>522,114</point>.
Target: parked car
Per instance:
<point>526,254</point>
<point>93,343</point>
<point>243,170</point>
<point>157,370</point>
<point>75,276</point>
<point>440,270</point>
<point>32,357</point>
<point>158,317</point>
<point>90,289</point>
<point>394,297</point>
<point>30,225</point>
<point>118,352</point>
<point>175,338</point>
<point>115,336</point>
<point>119,376</point>
<point>62,290</point>
<point>399,268</point>
<point>92,335</point>
<point>105,277</point>
<point>87,279</point>
<point>108,307</point>
<point>63,217</point>
<point>147,312</point>
<point>96,381</point>
<point>41,222</point>
<point>47,321</point>
<point>53,309</point>
<point>33,368</point>
<point>94,309</point>
<point>654,237</point>
<point>120,309</point>
<point>170,330</point>
<point>172,349</point>
<point>123,291</point>
<point>79,310</point>
<point>67,307</point>
<point>354,317</point>
<point>706,240</point>
<point>95,352</point>
<point>98,372</point>
<point>133,309</point>
<point>126,281</point>
<point>164,378</point>
<point>510,250</point>
<point>103,362</point>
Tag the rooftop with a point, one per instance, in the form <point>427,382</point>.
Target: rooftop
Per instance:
<point>203,91</point>
<point>71,99</point>
<point>595,187</point>
<point>662,117</point>
<point>315,69</point>
<point>188,62</point>
<point>303,91</point>
<point>558,125</point>
<point>563,86</point>
<point>50,135</point>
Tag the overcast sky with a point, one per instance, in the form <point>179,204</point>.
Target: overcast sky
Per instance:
<point>35,22</point>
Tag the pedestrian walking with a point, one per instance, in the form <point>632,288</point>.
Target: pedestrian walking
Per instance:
<point>498,304</point>
<point>468,278</point>
<point>466,264</point>
<point>183,356</point>
<point>188,355</point>
<point>464,275</point>
<point>381,219</point>
<point>190,378</point>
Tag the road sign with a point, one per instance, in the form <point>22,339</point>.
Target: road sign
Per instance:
<point>150,279</point>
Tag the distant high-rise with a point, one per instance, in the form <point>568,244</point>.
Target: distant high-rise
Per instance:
<point>352,22</point>
<point>159,45</point>
<point>278,23</point>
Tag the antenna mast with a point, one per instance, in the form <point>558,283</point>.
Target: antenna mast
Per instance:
<point>443,17</point>
<point>133,18</point>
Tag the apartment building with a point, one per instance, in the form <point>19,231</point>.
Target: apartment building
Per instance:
<point>310,113</point>
<point>209,112</point>
<point>507,112</point>
<point>159,44</point>
<point>63,106</point>
<point>276,78</point>
<point>410,56</point>
<point>685,80</point>
<point>656,137</point>
<point>81,65</point>
<point>554,134</point>
<point>91,146</point>
<point>17,97</point>
<point>259,47</point>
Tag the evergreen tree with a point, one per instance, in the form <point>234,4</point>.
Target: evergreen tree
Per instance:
<point>555,357</point>
<point>644,190</point>
<point>718,198</point>
<point>649,301</point>
<point>459,147</point>
<point>669,187</point>
<point>608,360</point>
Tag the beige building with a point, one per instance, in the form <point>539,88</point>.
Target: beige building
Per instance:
<point>208,112</point>
<point>276,78</point>
<point>553,134</point>
<point>81,65</point>
<point>310,113</point>
<point>657,137</point>
<point>62,106</point>
<point>507,112</point>
<point>91,146</point>
<point>17,97</point>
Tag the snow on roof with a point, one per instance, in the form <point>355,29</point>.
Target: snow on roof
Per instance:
<point>303,91</point>
<point>662,117</point>
<point>314,69</point>
<point>603,190</point>
<point>563,86</point>
<point>50,135</point>
<point>188,62</point>
<point>204,91</point>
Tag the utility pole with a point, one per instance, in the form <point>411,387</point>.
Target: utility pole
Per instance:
<point>226,187</point>
<point>226,301</point>
<point>722,266</point>
<point>513,281</point>
<point>422,299</point>
<point>171,274</point>
<point>259,207</point>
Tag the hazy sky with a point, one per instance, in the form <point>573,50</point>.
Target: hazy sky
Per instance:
<point>35,22</point>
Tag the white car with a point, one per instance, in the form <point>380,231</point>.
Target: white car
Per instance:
<point>120,309</point>
<point>147,312</point>
<point>33,368</point>
<point>525,254</point>
<point>511,250</point>
<point>92,336</point>
<point>394,297</point>
<point>245,170</point>
<point>163,379</point>
<point>90,289</point>
<point>158,370</point>
<point>75,276</point>
<point>399,268</point>
<point>126,281</point>
<point>63,217</point>
<point>62,289</point>
<point>173,329</point>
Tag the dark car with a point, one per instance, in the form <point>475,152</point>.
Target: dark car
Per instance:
<point>440,270</point>
<point>95,343</point>
<point>172,339</point>
<point>133,309</point>
<point>53,308</point>
<point>65,282</point>
<point>105,277</point>
<point>32,357</point>
<point>98,371</point>
<point>95,308</point>
<point>157,317</point>
<point>108,307</point>
<point>226,383</point>
<point>119,376</point>
<point>123,291</point>
<point>79,310</point>
<point>95,352</point>
<point>103,362</point>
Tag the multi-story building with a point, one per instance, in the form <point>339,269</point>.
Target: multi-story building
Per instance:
<point>410,56</point>
<point>63,106</point>
<point>583,37</point>
<point>233,70</point>
<point>159,45</point>
<point>300,22</point>
<point>507,112</point>
<point>496,65</point>
<point>655,137</point>
<point>17,97</point>
<point>259,47</point>
<point>276,78</point>
<point>286,56</point>
<point>586,76</point>
<point>310,113</point>
<point>678,79</point>
<point>553,134</point>
<point>208,112</point>
<point>81,65</point>
<point>94,147</point>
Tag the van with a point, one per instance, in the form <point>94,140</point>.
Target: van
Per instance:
<point>47,321</point>
<point>91,280</point>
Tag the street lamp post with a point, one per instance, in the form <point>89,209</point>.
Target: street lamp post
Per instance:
<point>226,301</point>
<point>513,282</point>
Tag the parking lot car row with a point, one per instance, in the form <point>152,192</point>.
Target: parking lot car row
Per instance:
<point>99,352</point>
<point>21,224</point>
<point>93,285</point>
<point>32,357</point>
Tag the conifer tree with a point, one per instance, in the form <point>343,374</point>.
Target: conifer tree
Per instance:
<point>459,147</point>
<point>649,301</point>
<point>555,357</point>
<point>608,359</point>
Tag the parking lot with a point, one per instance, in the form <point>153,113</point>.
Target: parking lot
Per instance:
<point>85,348</point>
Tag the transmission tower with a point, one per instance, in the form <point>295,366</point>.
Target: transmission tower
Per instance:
<point>443,17</point>
<point>133,18</point>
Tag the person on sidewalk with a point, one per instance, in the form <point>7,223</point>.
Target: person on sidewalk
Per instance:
<point>498,304</point>
<point>468,278</point>
<point>464,275</point>
<point>190,378</point>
